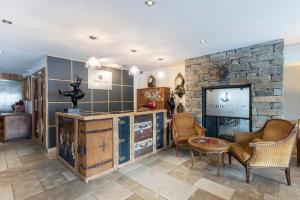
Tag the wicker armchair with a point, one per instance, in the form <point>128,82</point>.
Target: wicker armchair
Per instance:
<point>185,127</point>
<point>271,146</point>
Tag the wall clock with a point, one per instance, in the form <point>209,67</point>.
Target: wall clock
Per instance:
<point>151,81</point>
<point>179,85</point>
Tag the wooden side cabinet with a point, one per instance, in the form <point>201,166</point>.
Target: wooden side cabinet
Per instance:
<point>164,93</point>
<point>13,126</point>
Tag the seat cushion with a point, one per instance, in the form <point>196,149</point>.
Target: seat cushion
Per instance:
<point>183,139</point>
<point>242,151</point>
<point>256,140</point>
<point>277,130</point>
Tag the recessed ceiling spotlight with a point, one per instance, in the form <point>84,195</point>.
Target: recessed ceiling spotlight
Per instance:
<point>160,59</point>
<point>150,3</point>
<point>133,50</point>
<point>92,37</point>
<point>6,21</point>
<point>202,41</point>
<point>1,52</point>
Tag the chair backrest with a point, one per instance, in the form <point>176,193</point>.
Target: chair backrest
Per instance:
<point>184,122</point>
<point>277,129</point>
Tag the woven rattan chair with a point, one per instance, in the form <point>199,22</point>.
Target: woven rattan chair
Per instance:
<point>271,146</point>
<point>184,127</point>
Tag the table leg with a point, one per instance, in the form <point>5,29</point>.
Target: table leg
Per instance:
<point>223,159</point>
<point>192,156</point>
<point>200,156</point>
<point>219,162</point>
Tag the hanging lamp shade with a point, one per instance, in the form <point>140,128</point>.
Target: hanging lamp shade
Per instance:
<point>93,63</point>
<point>134,70</point>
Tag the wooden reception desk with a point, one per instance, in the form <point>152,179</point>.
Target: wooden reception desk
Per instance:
<point>95,144</point>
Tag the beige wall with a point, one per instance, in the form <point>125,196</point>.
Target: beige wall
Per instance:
<point>170,74</point>
<point>291,85</point>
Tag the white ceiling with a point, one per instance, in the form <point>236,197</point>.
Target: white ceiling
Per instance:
<point>171,29</point>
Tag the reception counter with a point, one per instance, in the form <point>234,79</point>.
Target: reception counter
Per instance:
<point>95,144</point>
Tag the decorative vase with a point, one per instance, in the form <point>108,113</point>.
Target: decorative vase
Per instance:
<point>151,104</point>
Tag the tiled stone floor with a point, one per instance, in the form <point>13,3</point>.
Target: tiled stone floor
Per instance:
<point>26,172</point>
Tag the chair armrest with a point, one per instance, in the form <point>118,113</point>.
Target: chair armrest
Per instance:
<point>272,154</point>
<point>247,137</point>
<point>200,130</point>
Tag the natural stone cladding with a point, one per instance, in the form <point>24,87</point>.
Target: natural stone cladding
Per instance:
<point>260,65</point>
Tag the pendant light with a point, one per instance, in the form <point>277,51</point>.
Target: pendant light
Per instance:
<point>134,70</point>
<point>93,63</point>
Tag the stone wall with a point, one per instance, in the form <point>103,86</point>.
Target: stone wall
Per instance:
<point>260,65</point>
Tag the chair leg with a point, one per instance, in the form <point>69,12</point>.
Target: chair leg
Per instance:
<point>288,175</point>
<point>176,150</point>
<point>247,168</point>
<point>229,158</point>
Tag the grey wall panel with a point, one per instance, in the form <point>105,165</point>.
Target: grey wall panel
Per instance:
<point>54,86</point>
<point>100,107</point>
<point>56,107</point>
<point>128,93</point>
<point>128,106</point>
<point>115,93</point>
<point>126,78</point>
<point>116,76</point>
<point>80,70</point>
<point>100,95</point>
<point>59,68</point>
<point>52,137</point>
<point>115,106</point>
<point>85,106</point>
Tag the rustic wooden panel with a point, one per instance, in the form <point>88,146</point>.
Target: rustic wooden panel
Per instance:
<point>159,130</point>
<point>66,137</point>
<point>124,139</point>
<point>95,146</point>
<point>143,135</point>
<point>161,104</point>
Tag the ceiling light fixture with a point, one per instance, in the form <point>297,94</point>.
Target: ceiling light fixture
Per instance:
<point>6,21</point>
<point>93,63</point>
<point>133,50</point>
<point>1,52</point>
<point>202,41</point>
<point>134,70</point>
<point>160,59</point>
<point>92,37</point>
<point>150,3</point>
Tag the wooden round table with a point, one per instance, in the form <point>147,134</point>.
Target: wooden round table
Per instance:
<point>209,145</point>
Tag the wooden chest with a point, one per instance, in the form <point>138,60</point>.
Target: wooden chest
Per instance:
<point>95,146</point>
<point>163,92</point>
<point>143,135</point>
<point>14,126</point>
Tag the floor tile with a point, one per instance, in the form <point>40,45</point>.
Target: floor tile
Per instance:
<point>163,184</point>
<point>215,188</point>
<point>130,167</point>
<point>6,192</point>
<point>270,197</point>
<point>161,165</point>
<point>188,175</point>
<point>146,193</point>
<point>112,191</point>
<point>204,195</point>
<point>26,186</point>
<point>87,196</point>
<point>127,182</point>
<point>135,197</point>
